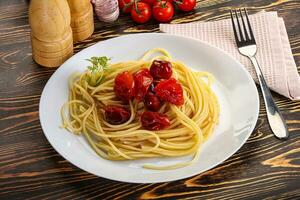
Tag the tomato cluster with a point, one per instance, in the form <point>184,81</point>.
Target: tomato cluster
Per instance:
<point>161,10</point>
<point>153,87</point>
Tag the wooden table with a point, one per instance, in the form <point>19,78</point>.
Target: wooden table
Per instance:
<point>31,169</point>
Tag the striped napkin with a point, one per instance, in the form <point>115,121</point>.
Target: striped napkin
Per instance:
<point>274,52</point>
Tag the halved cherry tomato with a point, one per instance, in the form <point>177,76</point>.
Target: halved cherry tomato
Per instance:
<point>163,11</point>
<point>141,12</point>
<point>126,5</point>
<point>142,81</point>
<point>186,5</point>
<point>116,115</point>
<point>124,86</point>
<point>154,120</point>
<point>170,91</point>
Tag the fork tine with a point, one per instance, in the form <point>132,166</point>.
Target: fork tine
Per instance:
<point>233,26</point>
<point>249,25</point>
<point>244,26</point>
<point>239,26</point>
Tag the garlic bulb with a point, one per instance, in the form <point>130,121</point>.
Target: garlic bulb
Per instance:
<point>106,10</point>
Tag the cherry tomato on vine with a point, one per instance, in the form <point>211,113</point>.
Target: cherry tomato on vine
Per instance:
<point>150,2</point>
<point>163,11</point>
<point>141,12</point>
<point>125,5</point>
<point>186,5</point>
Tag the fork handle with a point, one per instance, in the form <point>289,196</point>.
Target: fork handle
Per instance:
<point>275,118</point>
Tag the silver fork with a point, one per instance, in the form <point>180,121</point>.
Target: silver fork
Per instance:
<point>247,47</point>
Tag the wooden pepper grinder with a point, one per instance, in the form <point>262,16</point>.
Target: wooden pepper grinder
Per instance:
<point>82,20</point>
<point>51,33</point>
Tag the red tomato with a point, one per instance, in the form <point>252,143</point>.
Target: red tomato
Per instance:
<point>141,12</point>
<point>116,115</point>
<point>187,5</point>
<point>125,5</point>
<point>124,86</point>
<point>142,81</point>
<point>161,69</point>
<point>154,121</point>
<point>171,91</point>
<point>152,102</point>
<point>150,2</point>
<point>163,11</point>
<point>171,1</point>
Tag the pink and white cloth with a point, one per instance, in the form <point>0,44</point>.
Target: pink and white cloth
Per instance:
<point>274,52</point>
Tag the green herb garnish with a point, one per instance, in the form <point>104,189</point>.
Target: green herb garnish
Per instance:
<point>95,74</point>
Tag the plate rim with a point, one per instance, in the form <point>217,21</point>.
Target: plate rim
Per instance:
<point>66,157</point>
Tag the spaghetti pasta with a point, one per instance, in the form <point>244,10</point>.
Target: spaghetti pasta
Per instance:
<point>190,124</point>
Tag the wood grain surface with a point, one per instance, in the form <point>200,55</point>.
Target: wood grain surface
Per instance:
<point>264,168</point>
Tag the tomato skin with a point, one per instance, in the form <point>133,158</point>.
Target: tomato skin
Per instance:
<point>170,1</point>
<point>142,81</point>
<point>150,2</point>
<point>125,5</point>
<point>124,86</point>
<point>187,5</point>
<point>154,120</point>
<point>161,69</point>
<point>163,11</point>
<point>116,115</point>
<point>141,13</point>
<point>170,91</point>
<point>152,102</point>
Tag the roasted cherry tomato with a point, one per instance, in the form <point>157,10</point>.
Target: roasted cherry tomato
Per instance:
<point>124,86</point>
<point>161,69</point>
<point>170,91</point>
<point>154,120</point>
<point>152,101</point>
<point>142,81</point>
<point>126,5</point>
<point>116,115</point>
<point>186,5</point>
<point>141,12</point>
<point>163,11</point>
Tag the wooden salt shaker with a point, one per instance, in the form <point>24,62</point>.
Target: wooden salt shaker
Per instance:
<point>51,33</point>
<point>82,20</point>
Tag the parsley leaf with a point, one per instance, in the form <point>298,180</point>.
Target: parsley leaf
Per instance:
<point>96,70</point>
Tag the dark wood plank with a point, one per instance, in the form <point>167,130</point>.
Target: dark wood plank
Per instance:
<point>31,169</point>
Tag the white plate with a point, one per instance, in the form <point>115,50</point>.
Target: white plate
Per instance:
<point>234,87</point>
